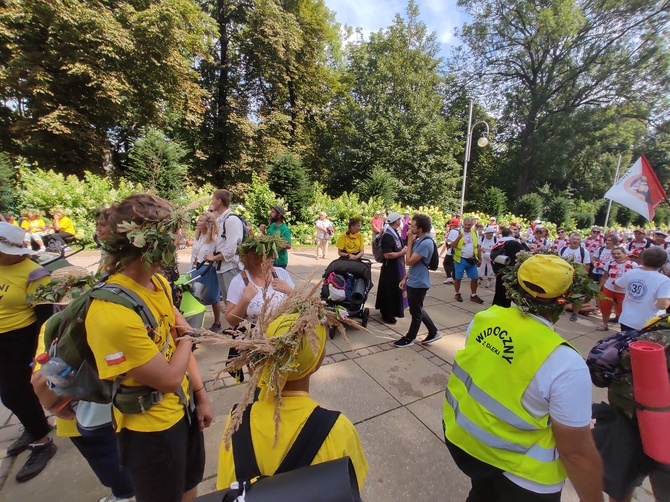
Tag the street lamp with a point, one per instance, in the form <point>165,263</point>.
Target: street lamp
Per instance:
<point>481,142</point>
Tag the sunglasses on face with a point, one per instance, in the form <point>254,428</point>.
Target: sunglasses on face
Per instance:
<point>561,232</point>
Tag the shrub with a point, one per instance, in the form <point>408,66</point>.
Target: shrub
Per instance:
<point>583,220</point>
<point>559,211</point>
<point>493,201</point>
<point>601,214</point>
<point>7,190</point>
<point>529,206</point>
<point>157,163</point>
<point>45,190</point>
<point>380,184</point>
<point>258,200</point>
<point>624,216</point>
<point>289,180</point>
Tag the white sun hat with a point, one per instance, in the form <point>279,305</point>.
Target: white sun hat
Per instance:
<point>11,240</point>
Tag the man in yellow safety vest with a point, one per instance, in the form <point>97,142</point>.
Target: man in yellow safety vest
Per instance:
<point>518,404</point>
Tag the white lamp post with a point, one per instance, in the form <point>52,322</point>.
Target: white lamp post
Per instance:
<point>481,142</point>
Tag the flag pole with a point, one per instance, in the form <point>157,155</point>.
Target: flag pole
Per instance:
<point>616,177</point>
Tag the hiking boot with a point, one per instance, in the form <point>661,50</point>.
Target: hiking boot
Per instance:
<point>20,444</point>
<point>458,297</point>
<point>404,342</point>
<point>574,317</point>
<point>215,327</point>
<point>37,461</point>
<point>431,338</point>
<point>476,299</point>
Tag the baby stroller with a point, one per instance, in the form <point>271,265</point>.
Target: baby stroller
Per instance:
<point>347,284</point>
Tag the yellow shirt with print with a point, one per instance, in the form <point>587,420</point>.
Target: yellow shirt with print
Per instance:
<point>350,243</point>
<point>15,313</point>
<point>32,226</point>
<point>119,341</point>
<point>66,225</point>
<point>343,440</point>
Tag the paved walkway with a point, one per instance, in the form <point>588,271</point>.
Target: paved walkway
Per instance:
<point>393,396</point>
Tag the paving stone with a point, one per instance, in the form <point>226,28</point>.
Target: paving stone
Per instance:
<point>351,354</point>
<point>363,352</point>
<point>339,357</point>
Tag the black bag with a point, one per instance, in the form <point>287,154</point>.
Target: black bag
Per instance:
<point>434,258</point>
<point>377,249</point>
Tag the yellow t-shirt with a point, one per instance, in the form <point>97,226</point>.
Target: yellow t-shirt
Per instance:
<point>120,342</point>
<point>32,226</point>
<point>342,441</point>
<point>350,243</point>
<point>15,313</point>
<point>66,225</point>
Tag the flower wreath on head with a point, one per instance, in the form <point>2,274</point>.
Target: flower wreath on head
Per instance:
<point>582,290</point>
<point>271,359</point>
<point>264,245</point>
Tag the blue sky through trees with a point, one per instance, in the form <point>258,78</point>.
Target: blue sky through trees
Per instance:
<point>441,16</point>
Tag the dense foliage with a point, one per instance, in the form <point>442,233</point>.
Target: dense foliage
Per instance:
<point>275,100</point>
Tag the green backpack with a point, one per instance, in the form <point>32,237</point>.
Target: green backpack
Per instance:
<point>65,337</point>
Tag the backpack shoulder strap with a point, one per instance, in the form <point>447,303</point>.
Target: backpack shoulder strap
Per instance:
<point>582,251</point>
<point>274,273</point>
<point>309,441</point>
<point>244,456</point>
<point>245,278</point>
<point>123,296</point>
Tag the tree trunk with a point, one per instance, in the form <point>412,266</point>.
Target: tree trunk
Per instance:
<point>221,147</point>
<point>526,157</point>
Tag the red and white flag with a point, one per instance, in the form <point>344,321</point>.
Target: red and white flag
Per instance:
<point>638,189</point>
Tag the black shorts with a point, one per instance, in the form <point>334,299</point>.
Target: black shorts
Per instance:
<point>163,465</point>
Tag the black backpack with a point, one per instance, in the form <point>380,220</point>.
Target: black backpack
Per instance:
<point>434,258</point>
<point>582,252</point>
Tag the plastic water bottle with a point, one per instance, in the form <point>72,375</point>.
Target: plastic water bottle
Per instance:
<point>55,370</point>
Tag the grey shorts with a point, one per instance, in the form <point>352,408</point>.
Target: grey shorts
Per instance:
<point>225,278</point>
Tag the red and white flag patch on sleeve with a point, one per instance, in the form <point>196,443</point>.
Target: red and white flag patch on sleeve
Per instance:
<point>115,358</point>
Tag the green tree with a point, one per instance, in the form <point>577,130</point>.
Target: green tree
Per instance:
<point>380,184</point>
<point>392,116</point>
<point>157,163</point>
<point>80,79</point>
<point>529,206</point>
<point>559,210</point>
<point>540,62</point>
<point>7,189</point>
<point>493,201</point>
<point>289,180</point>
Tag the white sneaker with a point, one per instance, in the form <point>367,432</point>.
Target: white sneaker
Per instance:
<point>448,281</point>
<point>488,284</point>
<point>112,498</point>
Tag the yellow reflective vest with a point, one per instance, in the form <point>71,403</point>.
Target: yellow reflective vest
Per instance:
<point>483,414</point>
<point>475,245</point>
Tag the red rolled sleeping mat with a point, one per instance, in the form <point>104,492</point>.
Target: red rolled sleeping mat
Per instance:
<point>652,397</point>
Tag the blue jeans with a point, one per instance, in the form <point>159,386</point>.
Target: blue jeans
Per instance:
<point>100,449</point>
<point>415,297</point>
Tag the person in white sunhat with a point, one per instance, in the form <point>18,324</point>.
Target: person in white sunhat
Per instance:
<point>488,241</point>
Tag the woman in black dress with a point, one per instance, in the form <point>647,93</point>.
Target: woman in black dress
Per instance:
<point>391,300</point>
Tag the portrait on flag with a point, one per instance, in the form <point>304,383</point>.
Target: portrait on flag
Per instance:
<point>638,189</point>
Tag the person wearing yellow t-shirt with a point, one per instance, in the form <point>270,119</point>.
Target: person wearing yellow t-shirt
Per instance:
<point>350,244</point>
<point>19,330</point>
<point>34,227</point>
<point>62,226</point>
<point>157,371</point>
<point>296,407</point>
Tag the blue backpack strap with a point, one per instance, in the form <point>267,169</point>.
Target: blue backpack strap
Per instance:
<point>38,274</point>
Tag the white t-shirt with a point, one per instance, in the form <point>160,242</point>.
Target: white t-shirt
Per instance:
<point>255,306</point>
<point>201,248</point>
<point>451,237</point>
<point>487,244</point>
<point>561,388</point>
<point>603,258</point>
<point>575,254</point>
<point>322,227</point>
<point>468,249</point>
<point>615,270</point>
<point>642,289</point>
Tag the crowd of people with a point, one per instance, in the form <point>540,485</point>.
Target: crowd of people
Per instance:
<point>518,404</point>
